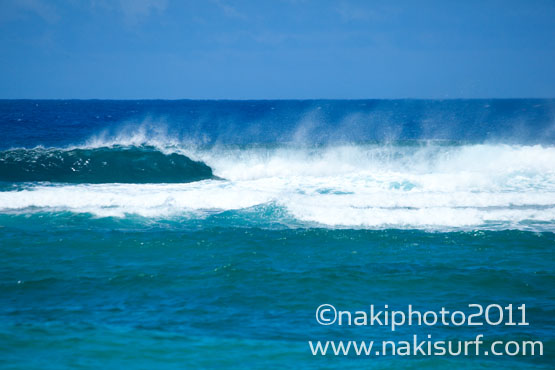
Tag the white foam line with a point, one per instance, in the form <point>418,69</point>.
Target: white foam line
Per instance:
<point>365,186</point>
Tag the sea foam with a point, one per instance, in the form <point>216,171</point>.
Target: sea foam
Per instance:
<point>412,185</point>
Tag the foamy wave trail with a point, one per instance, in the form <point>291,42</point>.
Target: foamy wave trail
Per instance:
<point>114,164</point>
<point>417,185</point>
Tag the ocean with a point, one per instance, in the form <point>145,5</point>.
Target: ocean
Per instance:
<point>205,234</point>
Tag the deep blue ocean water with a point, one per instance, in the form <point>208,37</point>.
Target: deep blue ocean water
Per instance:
<point>204,234</point>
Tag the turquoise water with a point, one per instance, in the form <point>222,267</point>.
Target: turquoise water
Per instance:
<point>136,248</point>
<point>82,291</point>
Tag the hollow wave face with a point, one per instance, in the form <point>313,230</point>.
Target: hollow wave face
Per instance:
<point>100,165</point>
<point>397,185</point>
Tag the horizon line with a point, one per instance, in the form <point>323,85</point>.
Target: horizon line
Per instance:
<point>270,99</point>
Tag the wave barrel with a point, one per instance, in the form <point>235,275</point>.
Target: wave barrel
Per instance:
<point>100,165</point>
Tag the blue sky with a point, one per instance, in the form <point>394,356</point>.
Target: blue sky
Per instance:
<point>217,49</point>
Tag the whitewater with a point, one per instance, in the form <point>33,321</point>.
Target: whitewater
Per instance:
<point>417,184</point>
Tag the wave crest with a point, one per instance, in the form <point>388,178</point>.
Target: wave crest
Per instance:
<point>100,165</point>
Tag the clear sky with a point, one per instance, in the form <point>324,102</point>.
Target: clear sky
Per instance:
<point>264,49</point>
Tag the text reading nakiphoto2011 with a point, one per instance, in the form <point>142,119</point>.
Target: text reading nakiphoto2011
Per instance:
<point>476,315</point>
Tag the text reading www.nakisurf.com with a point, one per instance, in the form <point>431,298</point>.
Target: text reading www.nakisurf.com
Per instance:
<point>475,315</point>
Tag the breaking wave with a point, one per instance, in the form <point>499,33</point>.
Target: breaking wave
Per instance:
<point>401,185</point>
<point>100,165</point>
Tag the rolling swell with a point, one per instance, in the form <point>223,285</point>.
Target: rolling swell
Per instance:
<point>100,165</point>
